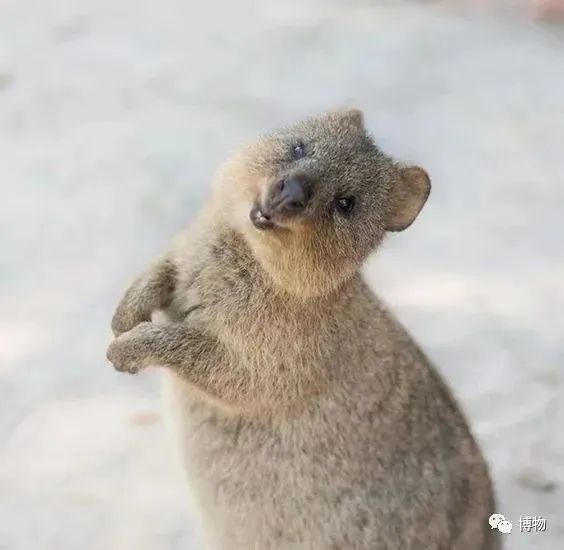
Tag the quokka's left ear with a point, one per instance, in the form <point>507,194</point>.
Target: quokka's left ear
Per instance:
<point>408,197</point>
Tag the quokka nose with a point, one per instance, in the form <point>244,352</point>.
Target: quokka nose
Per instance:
<point>289,196</point>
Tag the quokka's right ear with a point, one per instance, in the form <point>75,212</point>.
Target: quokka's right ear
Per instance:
<point>408,197</point>
<point>353,116</point>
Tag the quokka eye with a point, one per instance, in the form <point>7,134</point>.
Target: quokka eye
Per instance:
<point>344,205</point>
<point>298,150</point>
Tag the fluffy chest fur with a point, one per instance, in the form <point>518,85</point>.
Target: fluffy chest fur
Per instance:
<point>268,327</point>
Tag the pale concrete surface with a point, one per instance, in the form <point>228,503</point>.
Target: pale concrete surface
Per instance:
<point>113,116</point>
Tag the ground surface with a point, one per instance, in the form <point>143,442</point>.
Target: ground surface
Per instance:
<point>113,115</point>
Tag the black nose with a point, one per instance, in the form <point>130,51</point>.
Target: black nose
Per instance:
<point>289,196</point>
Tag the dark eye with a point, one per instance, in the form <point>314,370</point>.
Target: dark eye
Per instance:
<point>344,205</point>
<point>298,150</point>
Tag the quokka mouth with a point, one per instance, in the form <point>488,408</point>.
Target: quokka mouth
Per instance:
<point>261,220</point>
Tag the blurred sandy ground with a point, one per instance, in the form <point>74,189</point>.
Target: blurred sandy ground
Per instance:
<point>113,117</point>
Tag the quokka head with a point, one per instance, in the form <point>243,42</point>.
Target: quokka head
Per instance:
<point>313,200</point>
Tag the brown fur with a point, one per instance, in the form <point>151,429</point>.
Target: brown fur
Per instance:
<point>307,417</point>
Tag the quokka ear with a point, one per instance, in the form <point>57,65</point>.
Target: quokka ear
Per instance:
<point>355,116</point>
<point>408,197</point>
